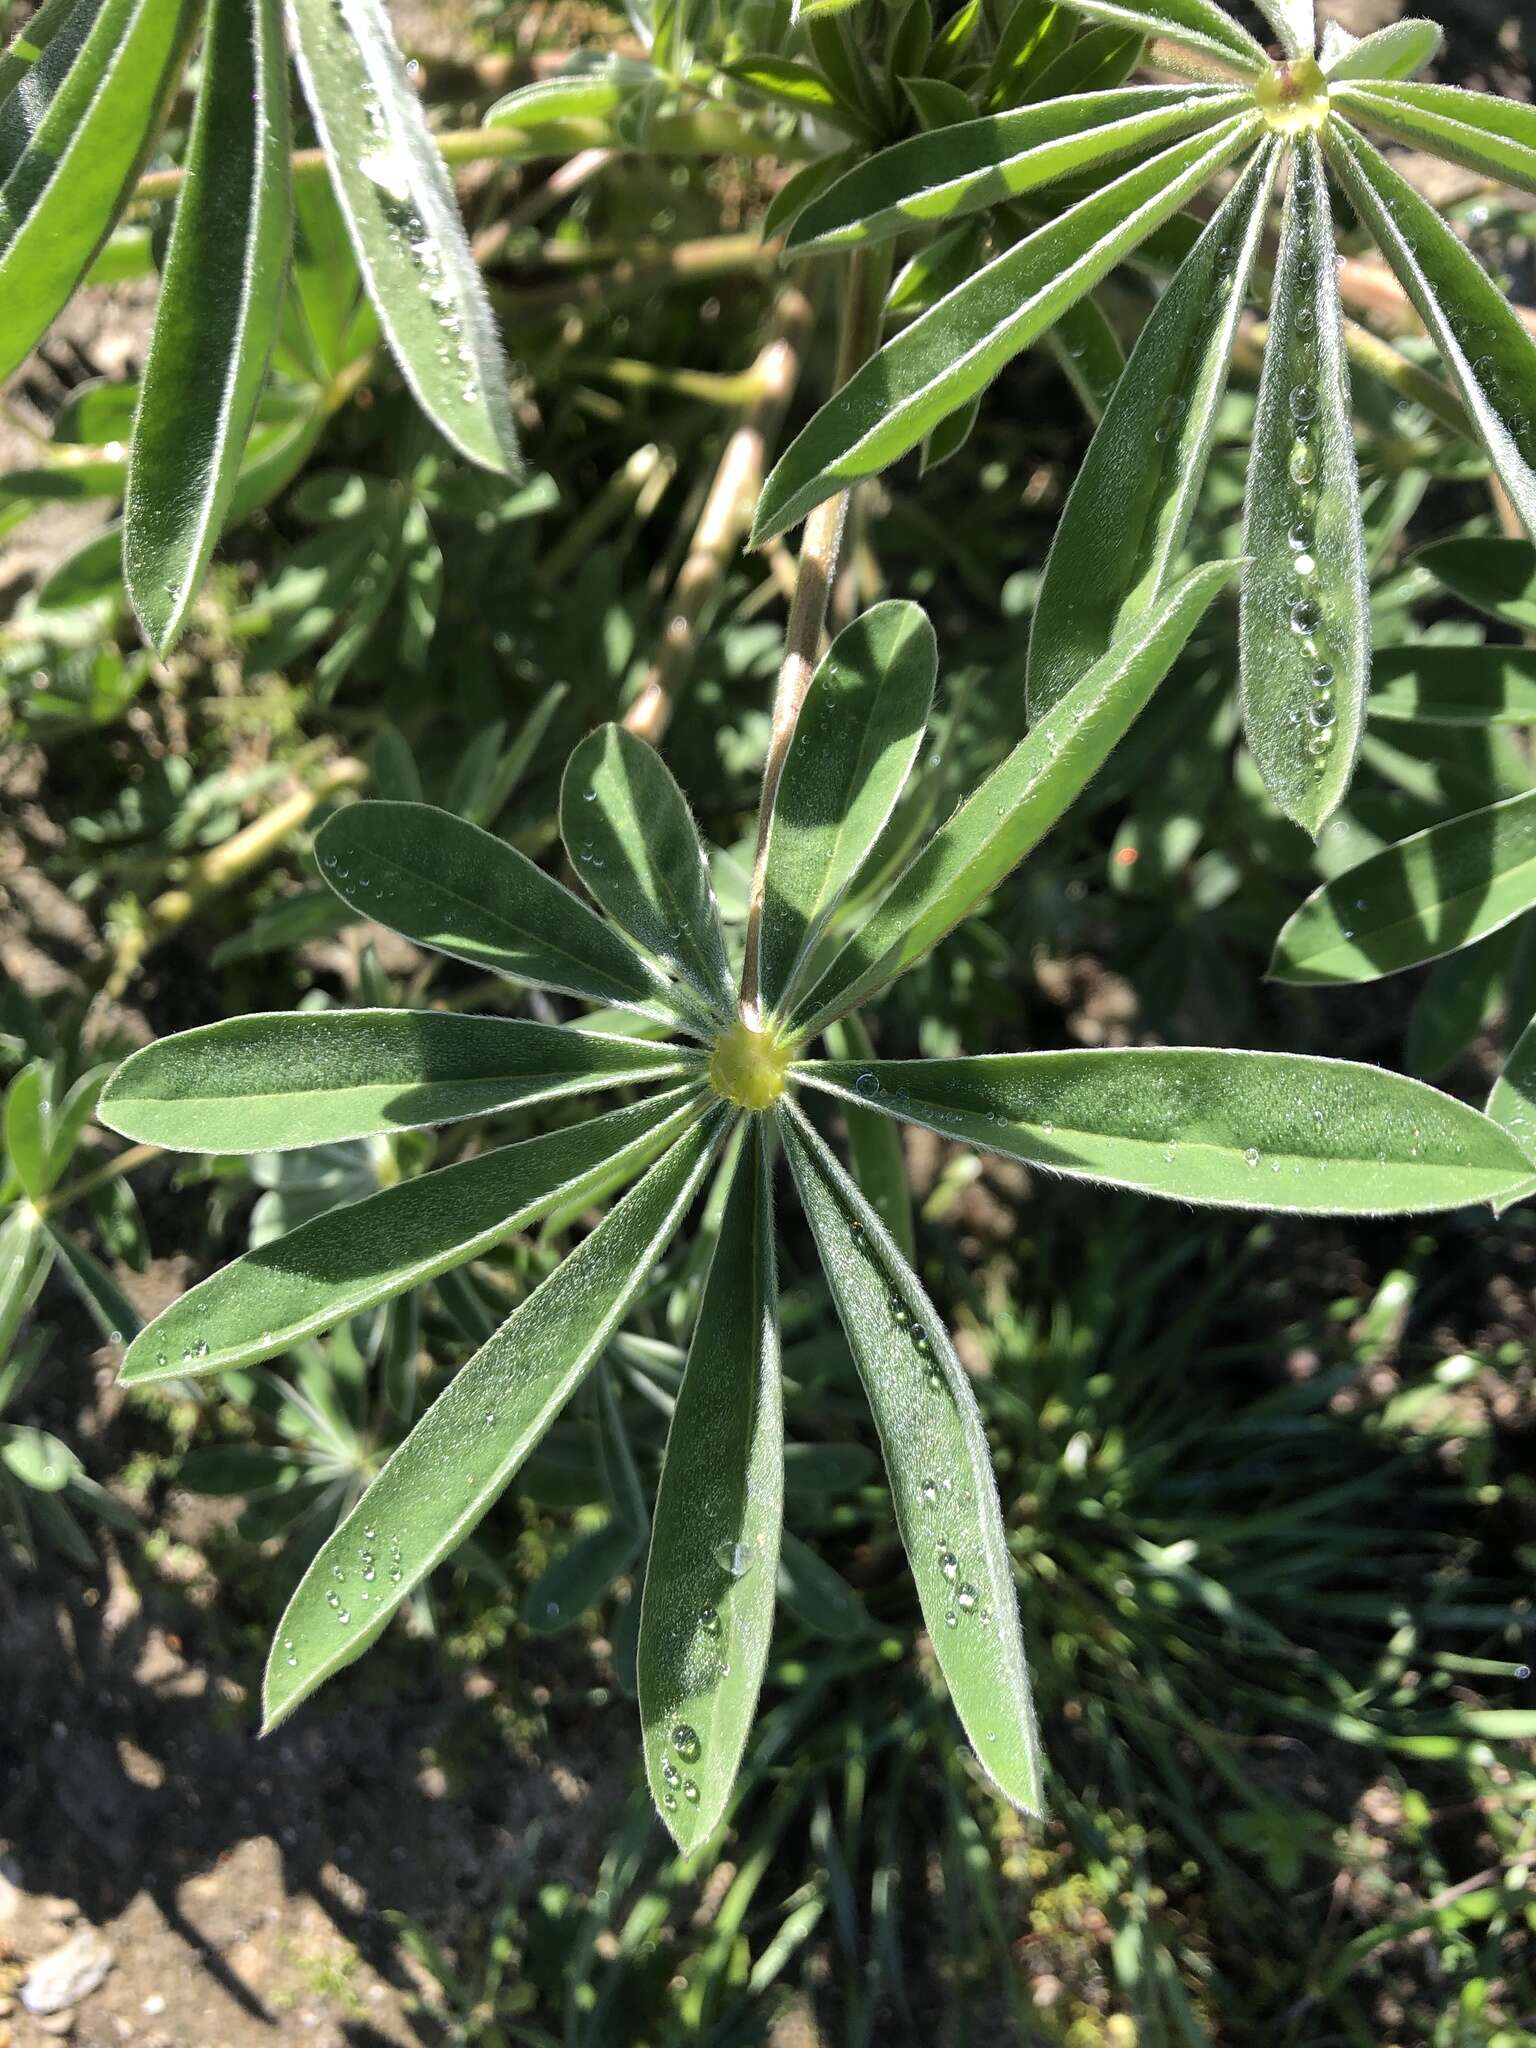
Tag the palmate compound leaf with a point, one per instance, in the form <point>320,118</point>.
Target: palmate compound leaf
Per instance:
<point>707,1613</point>
<point>354,1257</point>
<point>1248,1130</point>
<point>1488,353</point>
<point>631,838</point>
<point>403,221</point>
<point>954,350</point>
<point>220,296</point>
<point>1128,512</point>
<point>857,736</point>
<point>938,1461</point>
<point>458,1459</point>
<point>1304,623</point>
<point>276,1082</point>
<point>962,169</point>
<point>73,136</point>
<point>1013,808</point>
<point>444,883</point>
<point>1436,891</point>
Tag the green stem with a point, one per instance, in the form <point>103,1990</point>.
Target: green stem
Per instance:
<point>861,316</point>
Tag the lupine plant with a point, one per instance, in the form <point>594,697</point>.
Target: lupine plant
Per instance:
<point>725,1050</point>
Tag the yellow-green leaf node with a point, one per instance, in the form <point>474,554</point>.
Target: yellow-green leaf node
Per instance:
<point>1293,98</point>
<point>748,1067</point>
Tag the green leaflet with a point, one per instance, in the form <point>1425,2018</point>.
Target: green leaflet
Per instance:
<point>938,1461</point>
<point>1495,576</point>
<point>707,1613</point>
<point>859,730</point>
<point>1197,24</point>
<point>1294,22</point>
<point>1304,624</point>
<point>1512,1105</point>
<point>26,1258</point>
<point>579,1577</point>
<point>1481,130</point>
<point>977,164</point>
<point>398,203</point>
<point>954,350</point>
<point>1246,1130</point>
<point>1125,519</point>
<point>1455,685</point>
<point>1013,808</point>
<point>1098,61</point>
<point>1430,893</point>
<point>1491,358</point>
<point>874,1143</point>
<point>631,838</point>
<point>1396,51</point>
<point>459,1457</point>
<point>76,166</point>
<point>446,884</point>
<point>351,1258</point>
<point>32,40</point>
<point>274,1083</point>
<point>219,298</point>
<point>27,1128</point>
<point>1088,352</point>
<point>37,1459</point>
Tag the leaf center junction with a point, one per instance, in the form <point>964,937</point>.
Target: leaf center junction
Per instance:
<point>748,1067</point>
<point>1293,98</point>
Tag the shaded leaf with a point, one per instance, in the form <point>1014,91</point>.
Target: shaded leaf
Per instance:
<point>579,1578</point>
<point>1455,685</point>
<point>857,735</point>
<point>1426,896</point>
<point>446,884</point>
<point>819,1598</point>
<point>1494,575</point>
<point>272,1083</point>
<point>1304,621</point>
<point>461,1454</point>
<point>1013,808</point>
<point>707,1614</point>
<point>351,1258</point>
<point>1247,1130</point>
<point>631,838</point>
<point>938,1461</point>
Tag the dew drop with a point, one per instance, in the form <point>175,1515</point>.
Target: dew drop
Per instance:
<point>690,1792</point>
<point>867,1085</point>
<point>1322,676</point>
<point>1303,464</point>
<point>951,1619</point>
<point>929,1492</point>
<point>1306,320</point>
<point>734,1558</point>
<point>669,1802</point>
<point>685,1741</point>
<point>1322,711</point>
<point>1306,616</point>
<point>1303,402</point>
<point>670,1772</point>
<point>709,1621</point>
<point>1251,1156</point>
<point>949,1566</point>
<point>966,1599</point>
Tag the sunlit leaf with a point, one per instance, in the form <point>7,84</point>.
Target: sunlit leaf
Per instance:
<point>220,293</point>
<point>955,349</point>
<point>1197,24</point>
<point>1430,893</point>
<point>1304,629</point>
<point>461,1454</point>
<point>1482,130</point>
<point>1455,685</point>
<point>1490,356</point>
<point>709,1583</point>
<point>403,221</point>
<point>1396,51</point>
<point>1128,512</point>
<point>271,1083</point>
<point>939,1465</point>
<point>1250,1130</point>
